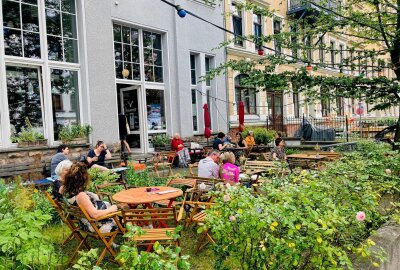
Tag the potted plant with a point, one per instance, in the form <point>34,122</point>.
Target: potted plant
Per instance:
<point>160,141</point>
<point>29,136</point>
<point>75,133</point>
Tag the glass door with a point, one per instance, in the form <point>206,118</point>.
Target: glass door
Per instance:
<point>275,110</point>
<point>130,106</point>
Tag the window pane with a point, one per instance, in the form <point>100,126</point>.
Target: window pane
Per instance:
<point>128,69</point>
<point>118,69</point>
<point>69,25</point>
<point>158,74</point>
<point>127,53</point>
<point>117,33</point>
<point>53,22</point>
<point>157,57</point>
<point>155,109</point>
<point>65,99</point>
<point>71,50</point>
<point>135,72</point>
<point>194,110</point>
<point>12,42</point>
<point>135,37</point>
<point>11,14</point>
<point>193,76</point>
<point>31,45</point>
<point>126,35</point>
<point>147,39</point>
<point>156,41</point>
<point>135,54</point>
<point>23,93</point>
<point>33,2</point>
<point>68,6</point>
<point>148,73</point>
<point>148,56</point>
<point>30,18</point>
<point>54,4</point>
<point>118,51</point>
<point>54,48</point>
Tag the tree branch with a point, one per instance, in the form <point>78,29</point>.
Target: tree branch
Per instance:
<point>378,11</point>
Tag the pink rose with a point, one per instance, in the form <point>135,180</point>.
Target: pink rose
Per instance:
<point>226,198</point>
<point>232,218</point>
<point>360,216</point>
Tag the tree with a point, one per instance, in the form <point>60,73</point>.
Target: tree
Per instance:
<point>373,26</point>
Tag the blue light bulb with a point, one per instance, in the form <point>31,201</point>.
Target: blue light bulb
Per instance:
<point>181,12</point>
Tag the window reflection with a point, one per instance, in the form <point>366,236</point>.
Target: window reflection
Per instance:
<point>155,109</point>
<point>65,101</point>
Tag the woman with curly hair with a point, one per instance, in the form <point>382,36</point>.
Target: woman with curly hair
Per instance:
<point>75,185</point>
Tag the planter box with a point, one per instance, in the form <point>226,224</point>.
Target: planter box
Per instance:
<point>76,141</point>
<point>25,144</point>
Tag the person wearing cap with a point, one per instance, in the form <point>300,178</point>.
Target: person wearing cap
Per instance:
<point>250,139</point>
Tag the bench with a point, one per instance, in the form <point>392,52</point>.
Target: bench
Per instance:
<point>330,156</point>
<point>29,171</point>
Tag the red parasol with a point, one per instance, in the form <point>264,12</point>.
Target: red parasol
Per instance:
<point>241,116</point>
<point>207,122</point>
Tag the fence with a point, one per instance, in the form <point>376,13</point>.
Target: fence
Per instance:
<point>344,128</point>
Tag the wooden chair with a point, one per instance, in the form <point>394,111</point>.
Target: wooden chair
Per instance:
<point>191,166</point>
<point>266,156</point>
<point>103,190</point>
<point>301,163</point>
<point>158,218</point>
<point>68,220</point>
<point>262,165</point>
<point>329,156</point>
<point>76,213</point>
<point>181,182</point>
<point>164,160</point>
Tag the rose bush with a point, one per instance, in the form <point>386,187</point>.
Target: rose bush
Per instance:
<point>307,220</point>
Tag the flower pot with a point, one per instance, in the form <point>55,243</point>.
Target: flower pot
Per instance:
<point>38,142</point>
<point>75,141</point>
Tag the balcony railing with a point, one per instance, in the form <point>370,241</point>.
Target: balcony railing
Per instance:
<point>303,4</point>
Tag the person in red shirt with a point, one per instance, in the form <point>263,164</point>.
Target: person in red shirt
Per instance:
<point>181,151</point>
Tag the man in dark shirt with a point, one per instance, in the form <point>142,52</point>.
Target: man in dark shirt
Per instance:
<point>62,154</point>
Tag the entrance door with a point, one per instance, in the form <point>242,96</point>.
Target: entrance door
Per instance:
<point>275,110</point>
<point>130,106</point>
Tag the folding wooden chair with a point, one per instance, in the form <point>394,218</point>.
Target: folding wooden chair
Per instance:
<point>69,221</point>
<point>191,166</point>
<point>76,214</point>
<point>301,163</point>
<point>103,190</point>
<point>177,182</point>
<point>164,160</point>
<point>158,218</point>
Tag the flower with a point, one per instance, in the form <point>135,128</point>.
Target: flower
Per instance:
<point>226,198</point>
<point>232,218</point>
<point>360,216</point>
<point>388,171</point>
<point>202,186</point>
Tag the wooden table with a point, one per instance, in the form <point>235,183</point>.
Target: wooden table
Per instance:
<point>137,196</point>
<point>307,156</point>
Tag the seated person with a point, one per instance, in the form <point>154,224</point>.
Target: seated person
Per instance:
<point>250,139</point>
<point>218,143</point>
<point>278,152</point>
<point>62,154</point>
<point>61,170</point>
<point>240,142</point>
<point>230,172</point>
<point>227,140</point>
<point>208,167</point>
<point>181,151</point>
<point>97,156</point>
<point>75,185</point>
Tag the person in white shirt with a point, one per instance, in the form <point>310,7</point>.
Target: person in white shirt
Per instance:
<point>208,167</point>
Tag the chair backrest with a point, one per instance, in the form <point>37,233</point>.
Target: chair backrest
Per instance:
<point>103,190</point>
<point>207,150</point>
<point>191,166</point>
<point>255,164</point>
<point>140,216</point>
<point>164,156</point>
<point>58,207</point>
<point>267,156</point>
<point>300,163</point>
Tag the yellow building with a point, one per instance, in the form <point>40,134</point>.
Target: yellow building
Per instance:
<point>264,108</point>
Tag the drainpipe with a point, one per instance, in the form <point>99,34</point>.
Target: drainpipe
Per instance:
<point>228,123</point>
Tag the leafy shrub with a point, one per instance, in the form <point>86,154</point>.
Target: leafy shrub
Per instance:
<point>160,140</point>
<point>40,202</point>
<point>98,177</point>
<point>261,135</point>
<point>307,220</point>
<point>74,131</point>
<point>142,179</point>
<point>22,242</point>
<point>28,134</point>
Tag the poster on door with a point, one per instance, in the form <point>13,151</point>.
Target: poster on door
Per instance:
<point>154,116</point>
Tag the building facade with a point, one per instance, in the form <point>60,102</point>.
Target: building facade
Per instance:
<point>272,109</point>
<point>87,61</point>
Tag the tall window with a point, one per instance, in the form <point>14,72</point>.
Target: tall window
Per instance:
<point>62,38</point>
<point>257,25</point>
<point>152,56</point>
<point>21,28</point>
<point>309,51</point>
<point>247,94</point>
<point>208,63</point>
<point>126,52</point>
<point>64,93</point>
<point>277,30</point>
<point>341,54</point>
<point>296,104</point>
<point>325,102</point>
<point>194,110</point>
<point>321,50</point>
<point>193,78</point>
<point>294,45</point>
<point>340,106</point>
<point>332,50</point>
<point>237,25</point>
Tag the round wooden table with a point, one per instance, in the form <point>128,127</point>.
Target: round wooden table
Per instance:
<point>136,196</point>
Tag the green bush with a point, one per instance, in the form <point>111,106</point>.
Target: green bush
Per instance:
<point>28,134</point>
<point>142,179</point>
<point>22,242</point>
<point>261,135</point>
<point>74,131</point>
<point>160,140</point>
<point>308,220</point>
